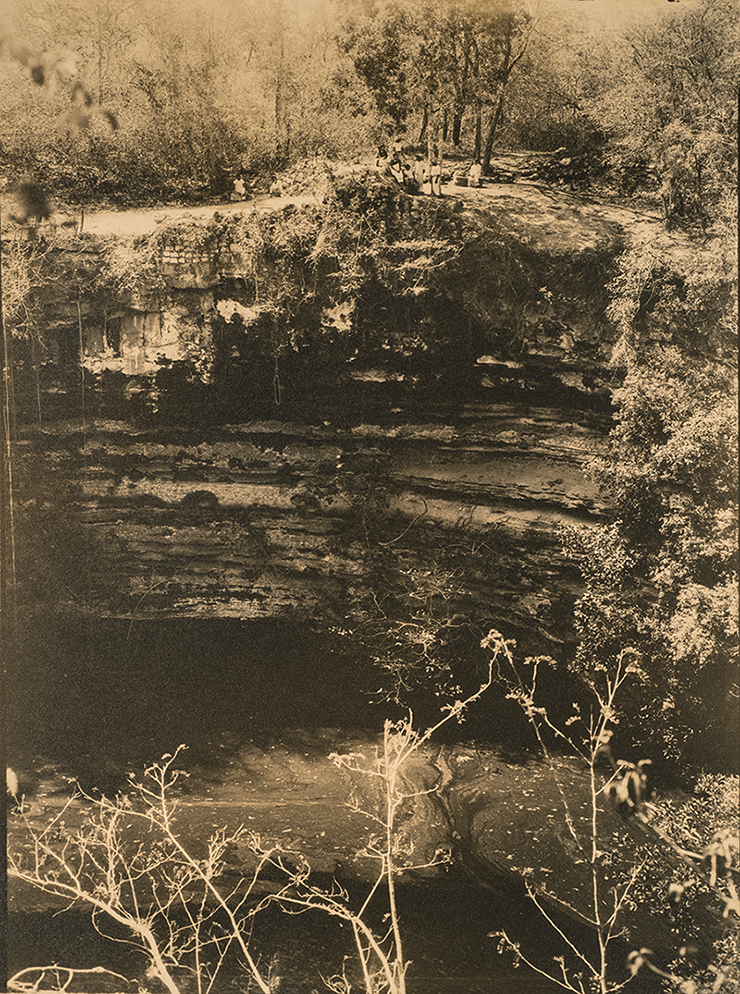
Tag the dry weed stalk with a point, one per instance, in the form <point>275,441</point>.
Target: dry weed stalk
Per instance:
<point>622,786</point>
<point>172,902</point>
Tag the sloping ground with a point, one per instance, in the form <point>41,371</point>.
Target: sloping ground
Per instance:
<point>289,794</point>
<point>552,219</point>
<point>577,220</point>
<point>512,820</point>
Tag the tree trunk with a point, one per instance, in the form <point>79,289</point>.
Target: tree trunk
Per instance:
<point>7,537</point>
<point>457,120</point>
<point>478,130</point>
<point>424,124</point>
<point>445,125</point>
<point>491,132</point>
<point>281,125</point>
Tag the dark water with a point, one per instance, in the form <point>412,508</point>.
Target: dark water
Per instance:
<point>96,698</point>
<point>446,927</point>
<point>120,692</point>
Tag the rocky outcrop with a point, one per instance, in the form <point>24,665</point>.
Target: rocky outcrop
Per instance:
<point>373,408</point>
<point>268,517</point>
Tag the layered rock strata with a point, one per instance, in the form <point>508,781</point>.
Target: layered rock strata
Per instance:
<point>321,407</point>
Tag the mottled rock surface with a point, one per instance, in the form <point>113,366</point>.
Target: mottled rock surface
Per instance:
<point>322,408</point>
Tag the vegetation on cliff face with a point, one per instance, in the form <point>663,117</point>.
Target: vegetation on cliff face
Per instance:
<point>664,575</point>
<point>371,273</point>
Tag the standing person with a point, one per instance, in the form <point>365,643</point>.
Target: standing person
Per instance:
<point>435,175</point>
<point>396,168</point>
<point>410,181</point>
<point>421,172</point>
<point>474,173</point>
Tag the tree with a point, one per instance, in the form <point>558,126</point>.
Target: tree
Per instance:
<point>438,59</point>
<point>549,98</point>
<point>376,36</point>
<point>98,36</point>
<point>202,92</point>
<point>677,106</point>
<point>179,909</point>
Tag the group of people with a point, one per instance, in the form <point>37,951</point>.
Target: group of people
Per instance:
<point>473,177</point>
<point>420,175</point>
<point>417,176</point>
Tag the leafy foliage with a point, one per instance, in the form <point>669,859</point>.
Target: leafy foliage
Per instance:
<point>663,575</point>
<point>205,96</point>
<point>703,825</point>
<point>675,111</point>
<point>440,62</point>
<point>201,97</point>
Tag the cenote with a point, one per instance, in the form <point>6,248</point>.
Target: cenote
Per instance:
<point>260,707</point>
<point>269,464</point>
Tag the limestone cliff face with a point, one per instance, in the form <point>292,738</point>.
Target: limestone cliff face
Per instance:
<point>375,410</point>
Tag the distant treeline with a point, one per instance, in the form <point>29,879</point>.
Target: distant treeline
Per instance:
<point>145,101</point>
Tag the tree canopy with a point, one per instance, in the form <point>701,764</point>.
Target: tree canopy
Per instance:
<point>204,93</point>
<point>439,59</point>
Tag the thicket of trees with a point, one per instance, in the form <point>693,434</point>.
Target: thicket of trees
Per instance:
<point>204,92</point>
<point>200,92</point>
<point>445,62</point>
<point>663,576</point>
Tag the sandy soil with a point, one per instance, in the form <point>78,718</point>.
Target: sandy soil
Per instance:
<point>141,222</point>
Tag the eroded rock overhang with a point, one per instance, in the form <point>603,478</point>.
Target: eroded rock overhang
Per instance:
<point>306,409</point>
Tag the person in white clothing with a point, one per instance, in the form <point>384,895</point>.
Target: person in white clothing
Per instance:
<point>421,172</point>
<point>435,174</point>
<point>474,173</point>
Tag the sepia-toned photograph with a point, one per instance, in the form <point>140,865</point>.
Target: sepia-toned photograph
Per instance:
<point>368,496</point>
